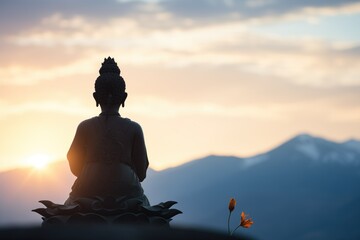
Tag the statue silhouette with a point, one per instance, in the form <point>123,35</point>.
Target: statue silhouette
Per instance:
<point>108,153</point>
<point>108,157</point>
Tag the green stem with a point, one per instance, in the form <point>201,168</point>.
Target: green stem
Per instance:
<point>234,230</point>
<point>229,223</point>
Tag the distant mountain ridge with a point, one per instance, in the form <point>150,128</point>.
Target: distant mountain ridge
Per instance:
<point>306,188</point>
<point>324,150</point>
<point>301,185</point>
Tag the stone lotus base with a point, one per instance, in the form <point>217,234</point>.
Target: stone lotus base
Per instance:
<point>97,210</point>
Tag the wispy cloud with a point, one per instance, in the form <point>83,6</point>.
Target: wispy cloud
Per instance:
<point>23,75</point>
<point>257,66</point>
<point>64,107</point>
<point>233,44</point>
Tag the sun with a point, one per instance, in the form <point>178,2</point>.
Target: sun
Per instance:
<point>38,161</point>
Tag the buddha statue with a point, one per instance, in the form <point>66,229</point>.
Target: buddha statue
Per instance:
<point>108,153</point>
<point>108,156</point>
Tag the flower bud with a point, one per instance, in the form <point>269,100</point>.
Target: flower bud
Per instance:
<point>232,204</point>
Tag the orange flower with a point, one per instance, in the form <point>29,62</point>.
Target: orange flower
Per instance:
<point>245,222</point>
<point>232,204</point>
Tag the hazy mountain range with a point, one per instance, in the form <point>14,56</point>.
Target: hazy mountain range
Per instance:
<point>306,188</point>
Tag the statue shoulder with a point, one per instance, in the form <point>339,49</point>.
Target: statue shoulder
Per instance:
<point>134,125</point>
<point>87,123</point>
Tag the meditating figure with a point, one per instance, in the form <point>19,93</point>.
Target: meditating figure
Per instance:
<point>108,154</point>
<point>108,157</point>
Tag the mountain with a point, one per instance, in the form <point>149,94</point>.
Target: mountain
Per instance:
<point>21,189</point>
<point>306,188</point>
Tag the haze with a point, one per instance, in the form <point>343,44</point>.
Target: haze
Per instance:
<point>203,77</point>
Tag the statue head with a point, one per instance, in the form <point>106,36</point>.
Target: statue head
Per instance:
<point>110,86</point>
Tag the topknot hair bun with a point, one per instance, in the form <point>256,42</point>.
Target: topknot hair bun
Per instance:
<point>109,66</point>
<point>109,86</point>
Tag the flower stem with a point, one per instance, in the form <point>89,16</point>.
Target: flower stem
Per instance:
<point>234,230</point>
<point>229,223</point>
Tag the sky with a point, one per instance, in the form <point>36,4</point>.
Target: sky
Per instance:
<point>204,77</point>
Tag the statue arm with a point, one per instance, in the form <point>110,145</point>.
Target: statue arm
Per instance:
<point>139,155</point>
<point>76,152</point>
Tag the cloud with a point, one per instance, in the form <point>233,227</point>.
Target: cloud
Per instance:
<point>30,13</point>
<point>64,107</point>
<point>23,75</point>
<point>176,34</point>
<point>161,108</point>
<point>254,9</point>
<point>155,14</point>
<point>165,34</point>
<point>205,68</point>
<point>233,44</point>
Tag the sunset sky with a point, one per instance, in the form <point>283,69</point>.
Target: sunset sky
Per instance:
<point>204,77</point>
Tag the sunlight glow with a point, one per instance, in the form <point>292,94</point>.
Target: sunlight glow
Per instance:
<point>38,161</point>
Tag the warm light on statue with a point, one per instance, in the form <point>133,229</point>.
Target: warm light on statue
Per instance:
<point>109,159</point>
